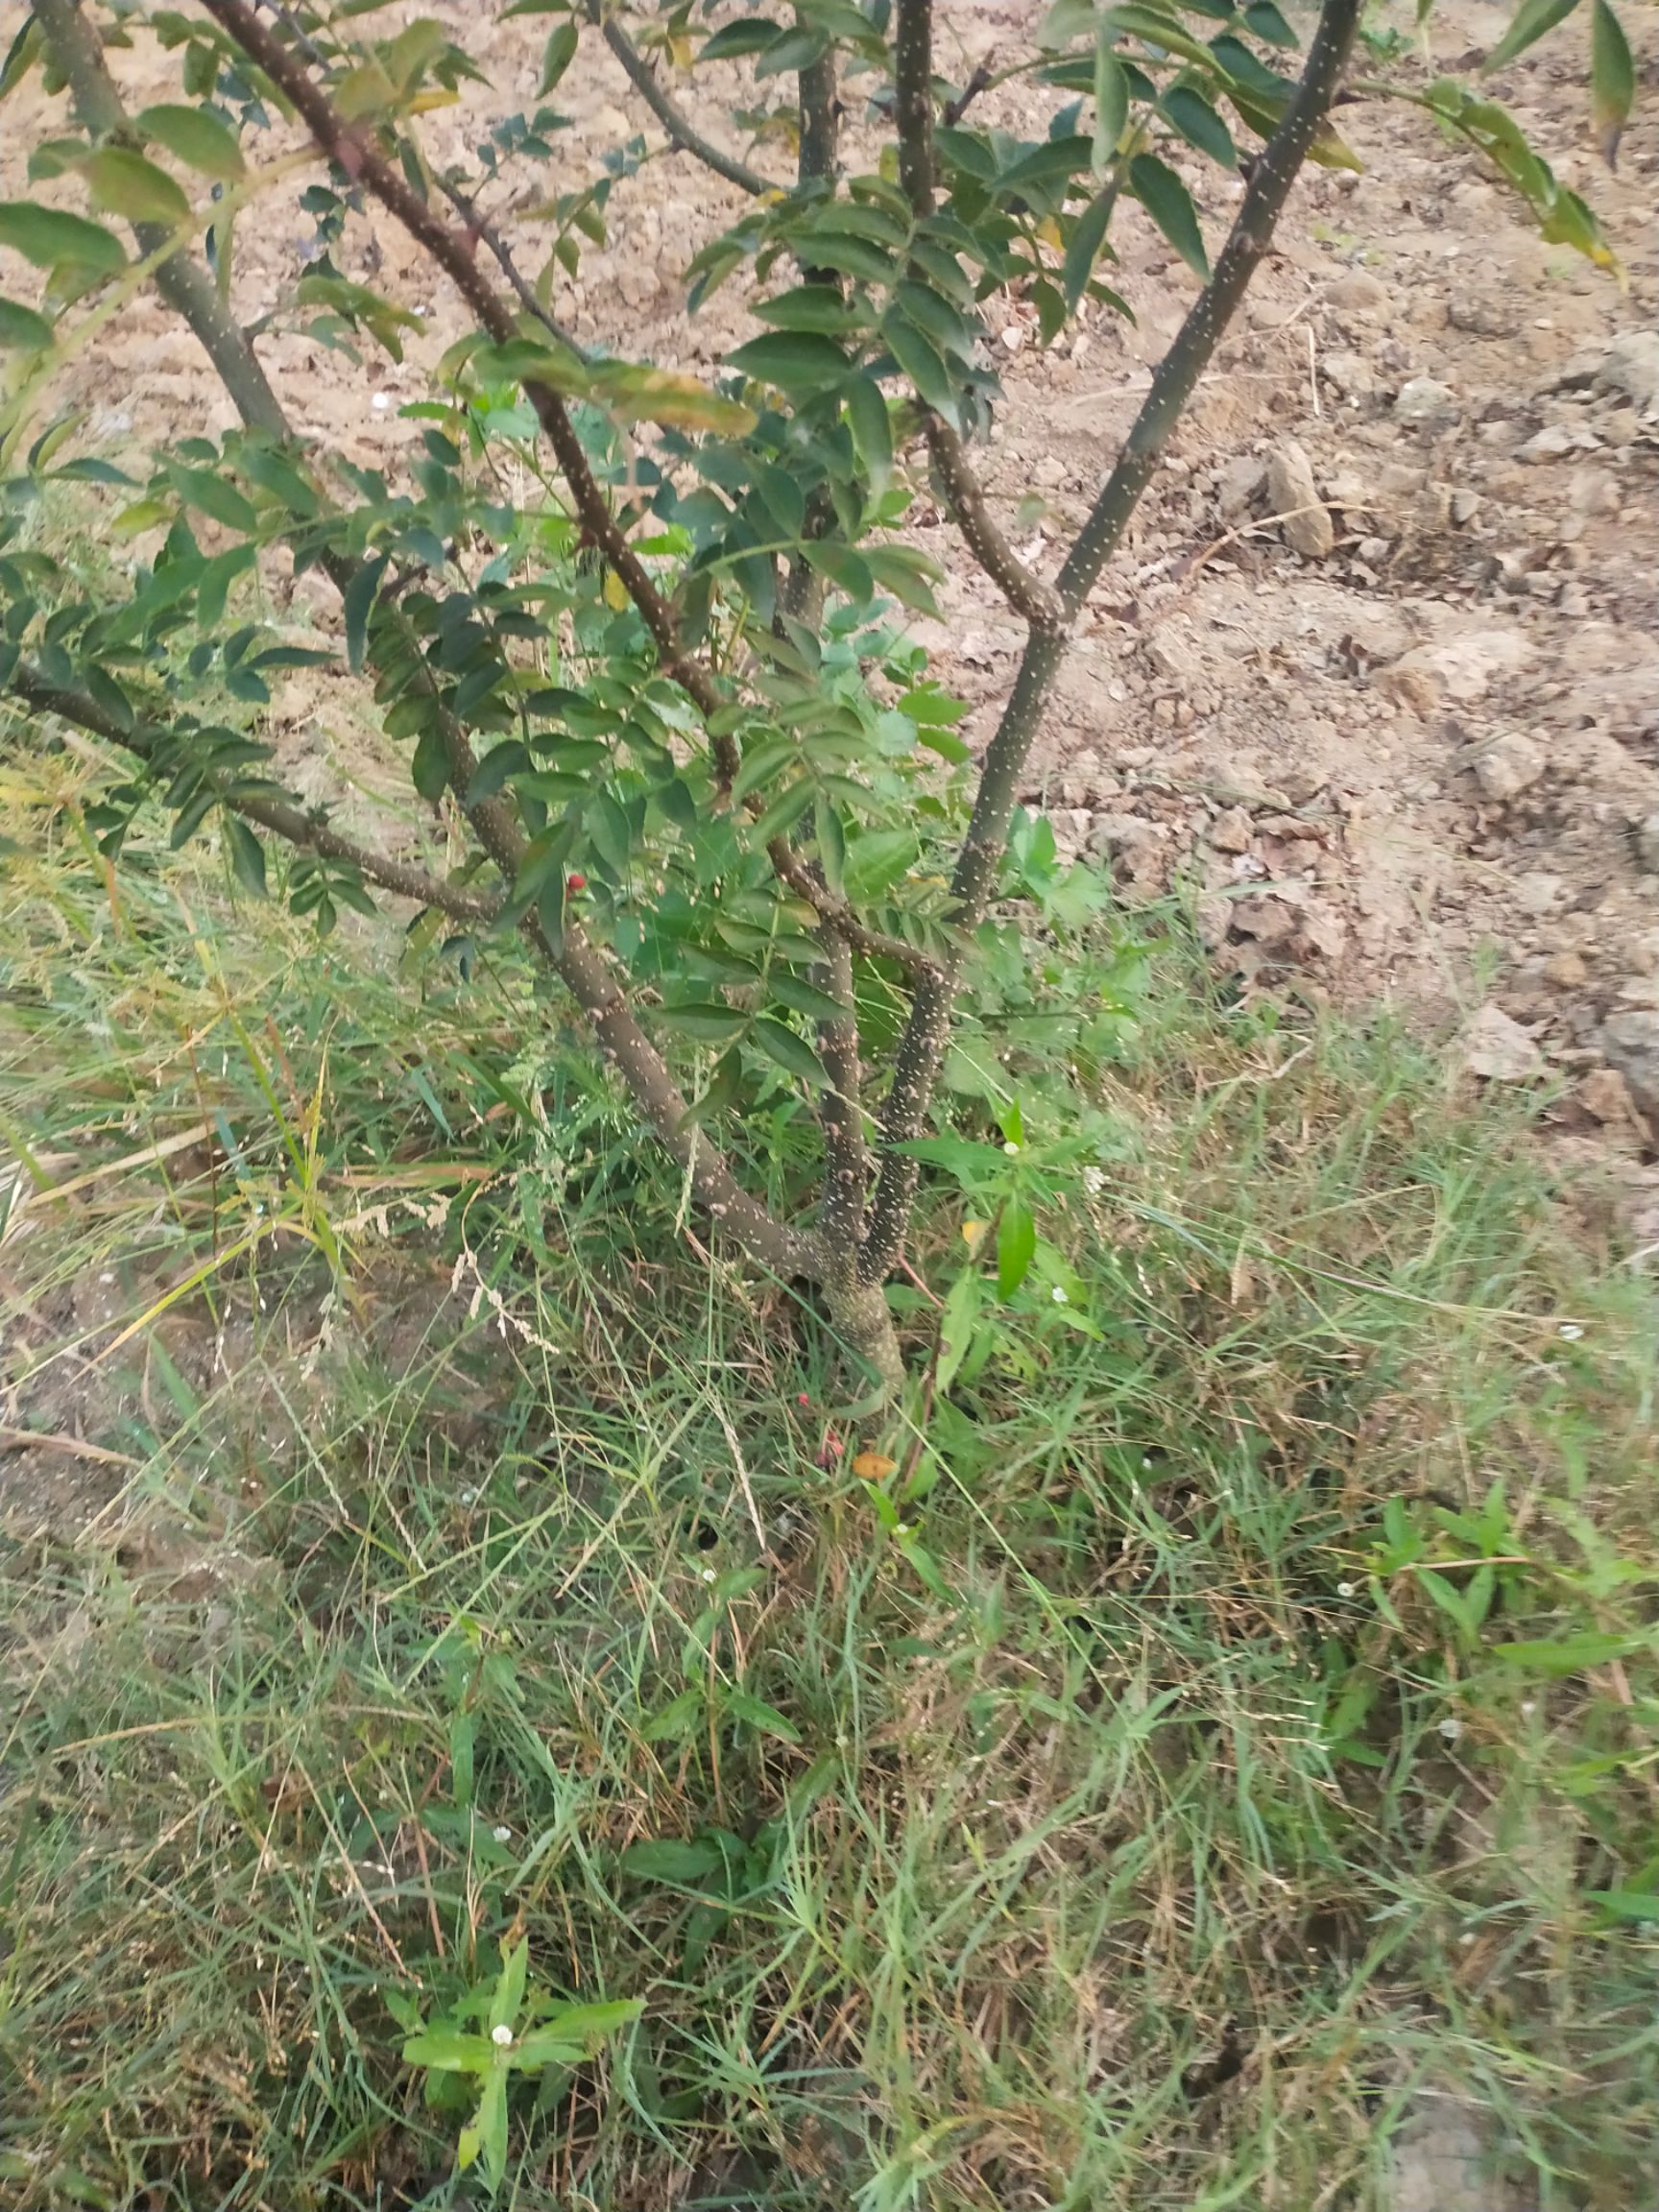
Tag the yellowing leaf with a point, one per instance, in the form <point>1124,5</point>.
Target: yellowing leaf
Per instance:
<point>873,1467</point>
<point>616,591</point>
<point>638,393</point>
<point>363,91</point>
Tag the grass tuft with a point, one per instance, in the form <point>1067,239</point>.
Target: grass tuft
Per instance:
<point>409,1546</point>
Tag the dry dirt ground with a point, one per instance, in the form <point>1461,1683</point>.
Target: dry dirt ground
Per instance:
<point>1417,758</point>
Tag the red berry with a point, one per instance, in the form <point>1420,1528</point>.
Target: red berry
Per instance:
<point>575,882</point>
<point>802,1399</point>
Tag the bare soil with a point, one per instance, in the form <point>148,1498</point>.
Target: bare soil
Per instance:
<point>1421,764</point>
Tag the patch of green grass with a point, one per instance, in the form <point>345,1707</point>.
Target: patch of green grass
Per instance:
<point>1254,1729</point>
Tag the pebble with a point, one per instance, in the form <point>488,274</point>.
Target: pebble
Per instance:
<point>1112,833</point>
<point>1509,765</point>
<point>1494,1046</point>
<point>1631,366</point>
<point>1549,444</point>
<point>1241,481</point>
<point>1537,892</point>
<point>1292,492</point>
<point>1358,292</point>
<point>1231,831</point>
<point>1591,491</point>
<point>1267,920</point>
<point>1483,314</point>
<point>1427,404</point>
<point>1350,374</point>
<point>1605,1094</point>
<point>1647,843</point>
<point>1631,1044</point>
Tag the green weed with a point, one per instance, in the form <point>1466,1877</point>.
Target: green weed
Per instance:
<point>1215,1727</point>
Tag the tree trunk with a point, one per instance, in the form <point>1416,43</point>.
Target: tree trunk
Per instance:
<point>861,1322</point>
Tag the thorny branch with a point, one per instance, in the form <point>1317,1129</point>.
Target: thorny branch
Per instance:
<point>309,833</point>
<point>921,1050</point>
<point>681,132</point>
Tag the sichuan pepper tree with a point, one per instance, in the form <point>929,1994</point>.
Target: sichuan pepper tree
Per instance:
<point>663,687</point>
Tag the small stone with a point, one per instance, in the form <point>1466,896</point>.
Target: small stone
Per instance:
<point>1115,833</point>
<point>1494,1046</point>
<point>1072,826</point>
<point>1591,491</point>
<point>1293,495</point>
<point>1231,831</point>
<point>1215,918</point>
<point>1242,479</point>
<point>1606,1095</point>
<point>1482,314</point>
<point>1547,444</point>
<point>1537,892</point>
<point>1301,787</point>
<point>1269,921</point>
<point>1358,292</point>
<point>1426,404</point>
<point>1465,507</point>
<point>1462,668</point>
<point>1350,374</point>
<point>1509,765</point>
<point>1566,971</point>
<point>1647,843</point>
<point>1631,366</point>
<point>1631,1044</point>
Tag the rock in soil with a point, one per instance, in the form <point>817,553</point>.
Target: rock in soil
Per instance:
<point>1605,1096</point>
<point>1426,404</point>
<point>1509,765</point>
<point>1495,1046</point>
<point>1631,1044</point>
<point>1293,495</point>
<point>1231,831</point>
<point>1442,2163</point>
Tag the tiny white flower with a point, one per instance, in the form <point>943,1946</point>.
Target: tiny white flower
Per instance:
<point>1466,1939</point>
<point>1528,1706</point>
<point>1010,1147</point>
<point>1146,1459</point>
<point>1571,1332</point>
<point>468,1496</point>
<point>709,1575</point>
<point>1451,1729</point>
<point>1059,1296</point>
<point>502,1833</point>
<point>501,2037</point>
<point>1344,1589</point>
<point>902,1529</point>
<point>380,403</point>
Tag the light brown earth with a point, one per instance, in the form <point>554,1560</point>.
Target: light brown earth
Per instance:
<point>1420,765</point>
